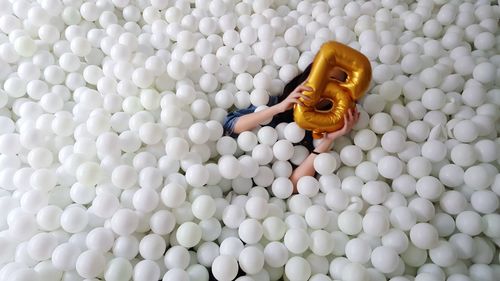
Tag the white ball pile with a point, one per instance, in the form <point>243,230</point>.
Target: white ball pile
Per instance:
<point>113,165</point>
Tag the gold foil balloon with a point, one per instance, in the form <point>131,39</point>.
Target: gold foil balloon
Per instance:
<point>338,96</point>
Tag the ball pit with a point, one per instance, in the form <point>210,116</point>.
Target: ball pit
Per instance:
<point>114,164</point>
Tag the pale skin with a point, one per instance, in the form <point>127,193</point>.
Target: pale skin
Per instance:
<point>306,168</point>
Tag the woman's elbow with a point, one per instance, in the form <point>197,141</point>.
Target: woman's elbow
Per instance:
<point>294,179</point>
<point>237,130</point>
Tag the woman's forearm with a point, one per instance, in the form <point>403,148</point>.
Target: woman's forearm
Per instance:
<point>250,121</point>
<point>306,168</point>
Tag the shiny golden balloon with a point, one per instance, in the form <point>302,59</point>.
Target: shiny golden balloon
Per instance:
<point>330,98</point>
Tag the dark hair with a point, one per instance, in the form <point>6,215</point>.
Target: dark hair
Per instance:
<point>290,86</point>
<point>287,116</point>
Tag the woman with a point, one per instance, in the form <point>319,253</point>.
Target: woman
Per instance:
<point>281,110</point>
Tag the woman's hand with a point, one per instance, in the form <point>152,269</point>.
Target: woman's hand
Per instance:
<point>350,120</point>
<point>293,98</point>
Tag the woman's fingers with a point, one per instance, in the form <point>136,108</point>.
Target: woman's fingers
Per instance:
<point>302,88</point>
<point>348,117</point>
<point>295,101</point>
<point>305,97</point>
<point>355,115</point>
<point>299,95</point>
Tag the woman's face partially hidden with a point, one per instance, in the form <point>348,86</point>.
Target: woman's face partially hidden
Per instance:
<point>336,73</point>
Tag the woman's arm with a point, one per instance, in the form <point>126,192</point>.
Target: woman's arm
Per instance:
<point>306,168</point>
<point>250,121</point>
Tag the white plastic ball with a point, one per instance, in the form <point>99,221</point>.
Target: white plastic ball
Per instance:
<point>124,222</point>
<point>297,268</point>
<point>374,192</point>
<point>434,150</point>
<point>444,254</point>
<point>385,259</point>
<point>100,239</point>
<point>74,219</point>
<point>402,218</point>
<point>229,167</point>
<point>308,186</point>
<point>41,246</point>
<point>325,163</point>
<point>451,175</point>
<point>358,250</point>
<point>90,264</point>
<point>484,201</point>
<point>124,176</point>
<point>411,63</point>
<point>251,260</point>
<point>250,231</point>
<point>351,155</point>
<point>429,187</point>
<point>350,222</point>
<point>48,217</point>
<point>173,195</point>
<point>34,200</point>
<point>276,254</point>
<point>203,207</point>
<point>225,267</point>
<point>477,177</point>
<point>233,215</point>
<point>257,207</point>
<point>146,270</point>
<point>469,222</point>
<point>150,133</point>
<point>231,246</point>
<point>296,240</point>
<point>389,54</point>
<point>381,122</point>
<point>282,187</point>
<point>376,223</point>
<point>390,167</point>
<point>294,35</point>
<point>463,155</point>
<point>176,274</point>
<point>283,150</point>
<point>354,271</point>
<point>177,257</point>
<point>152,247</point>
<point>294,133</point>
<point>424,236</point>
<point>197,175</point>
<point>336,199</point>
<point>484,41</point>
<point>247,141</point>
<point>188,234</point>
<point>365,139</point>
<point>465,131</point>
<point>484,72</point>
<point>396,239</point>
<point>65,255</point>
<point>25,46</point>
<point>176,70</point>
<point>453,202</point>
